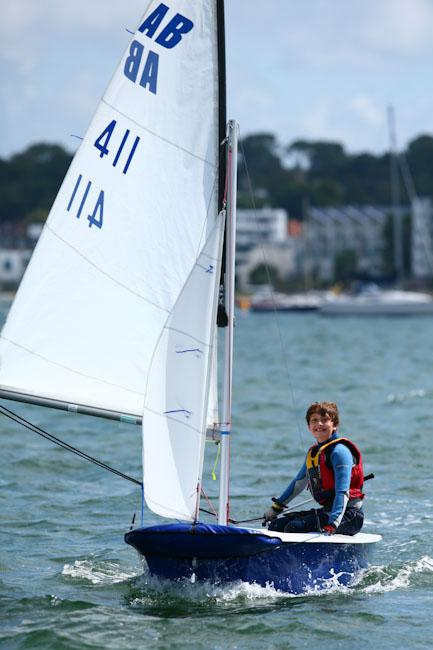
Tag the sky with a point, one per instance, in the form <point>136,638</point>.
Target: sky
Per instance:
<point>300,69</point>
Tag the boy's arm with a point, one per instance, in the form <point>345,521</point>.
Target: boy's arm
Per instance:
<point>296,486</point>
<point>342,462</point>
<point>293,489</point>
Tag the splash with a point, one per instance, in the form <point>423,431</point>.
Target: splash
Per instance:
<point>98,572</point>
<point>151,588</point>
<point>403,397</point>
<point>381,579</point>
<point>375,579</point>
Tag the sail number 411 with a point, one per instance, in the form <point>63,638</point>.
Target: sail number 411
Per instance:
<point>80,193</point>
<point>102,142</point>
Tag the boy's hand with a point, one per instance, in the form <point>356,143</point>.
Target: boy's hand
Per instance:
<point>329,529</point>
<point>273,511</point>
<point>270,515</point>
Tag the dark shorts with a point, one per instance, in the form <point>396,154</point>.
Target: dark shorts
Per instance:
<point>310,521</point>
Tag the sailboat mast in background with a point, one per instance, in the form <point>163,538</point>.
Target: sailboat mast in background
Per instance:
<point>395,198</point>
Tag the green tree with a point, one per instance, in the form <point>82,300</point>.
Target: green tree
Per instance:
<point>30,180</point>
<point>346,265</point>
<point>264,274</point>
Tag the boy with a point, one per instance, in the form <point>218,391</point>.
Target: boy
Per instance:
<point>333,473</point>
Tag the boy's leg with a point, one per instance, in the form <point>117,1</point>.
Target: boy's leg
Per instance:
<point>352,522</point>
<point>306,521</point>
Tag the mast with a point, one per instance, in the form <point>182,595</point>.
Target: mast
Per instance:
<point>395,198</point>
<point>232,156</point>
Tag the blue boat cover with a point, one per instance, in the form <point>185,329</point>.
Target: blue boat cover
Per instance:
<point>180,540</point>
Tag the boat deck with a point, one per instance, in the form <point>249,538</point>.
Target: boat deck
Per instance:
<point>296,538</point>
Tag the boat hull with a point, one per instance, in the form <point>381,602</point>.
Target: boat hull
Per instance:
<point>294,563</point>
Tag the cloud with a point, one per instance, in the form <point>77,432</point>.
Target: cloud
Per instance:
<point>301,68</point>
<point>332,33</point>
<point>399,26</point>
<point>366,109</point>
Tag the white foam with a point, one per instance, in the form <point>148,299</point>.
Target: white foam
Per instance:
<point>238,591</point>
<point>402,397</point>
<point>98,572</point>
<point>205,591</point>
<point>385,579</point>
<point>401,580</point>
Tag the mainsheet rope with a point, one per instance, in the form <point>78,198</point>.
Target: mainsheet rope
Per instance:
<point>18,419</point>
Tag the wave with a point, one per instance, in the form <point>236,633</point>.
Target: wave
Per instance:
<point>397,398</point>
<point>149,590</point>
<point>100,572</point>
<point>381,579</point>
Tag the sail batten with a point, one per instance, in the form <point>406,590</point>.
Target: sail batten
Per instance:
<point>163,139</point>
<point>101,270</point>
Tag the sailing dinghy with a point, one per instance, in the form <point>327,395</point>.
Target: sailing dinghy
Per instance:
<point>116,315</point>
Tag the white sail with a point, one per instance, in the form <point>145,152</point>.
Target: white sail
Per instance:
<point>212,408</point>
<point>175,413</point>
<point>135,210</point>
<point>117,308</point>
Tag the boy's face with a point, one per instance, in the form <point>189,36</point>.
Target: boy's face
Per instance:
<point>321,426</point>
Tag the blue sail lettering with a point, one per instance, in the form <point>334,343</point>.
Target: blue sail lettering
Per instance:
<point>132,63</point>
<point>149,76</point>
<point>168,38</point>
<point>97,216</point>
<point>150,72</point>
<point>172,34</point>
<point>152,22</point>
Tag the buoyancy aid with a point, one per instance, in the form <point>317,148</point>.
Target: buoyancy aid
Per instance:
<point>321,478</point>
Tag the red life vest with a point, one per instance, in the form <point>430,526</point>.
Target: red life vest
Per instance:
<point>321,475</point>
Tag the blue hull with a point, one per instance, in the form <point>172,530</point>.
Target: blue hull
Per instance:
<point>223,554</point>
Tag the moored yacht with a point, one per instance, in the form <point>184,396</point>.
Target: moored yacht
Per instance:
<point>373,301</point>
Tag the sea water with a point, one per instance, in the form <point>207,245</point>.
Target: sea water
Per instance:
<point>67,579</point>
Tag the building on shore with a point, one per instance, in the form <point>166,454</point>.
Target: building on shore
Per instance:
<point>422,238</point>
<point>17,242</point>
<point>345,237</point>
<point>262,239</point>
<point>13,263</point>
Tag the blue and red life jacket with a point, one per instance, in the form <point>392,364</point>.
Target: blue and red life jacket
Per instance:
<point>321,479</point>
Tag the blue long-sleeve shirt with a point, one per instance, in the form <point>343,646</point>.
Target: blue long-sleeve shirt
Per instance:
<point>341,461</point>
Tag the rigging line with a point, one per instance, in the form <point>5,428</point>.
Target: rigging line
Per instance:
<point>277,322</point>
<point>18,419</point>
<point>209,502</point>
<point>413,195</point>
<point>274,305</point>
<point>407,176</point>
<point>212,194</point>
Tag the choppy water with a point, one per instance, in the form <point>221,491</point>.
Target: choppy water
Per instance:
<point>67,580</point>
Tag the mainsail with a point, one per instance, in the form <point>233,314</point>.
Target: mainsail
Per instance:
<point>117,308</point>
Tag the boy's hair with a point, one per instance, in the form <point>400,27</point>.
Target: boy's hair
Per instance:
<point>323,408</point>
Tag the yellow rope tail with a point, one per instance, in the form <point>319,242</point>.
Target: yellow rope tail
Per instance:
<point>214,478</point>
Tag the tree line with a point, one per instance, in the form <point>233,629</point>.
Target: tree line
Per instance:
<point>305,172</point>
<point>319,173</point>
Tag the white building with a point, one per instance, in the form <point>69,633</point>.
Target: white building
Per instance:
<point>422,238</point>
<point>12,265</point>
<point>255,227</point>
<point>279,255</point>
<point>331,231</point>
<point>265,227</point>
